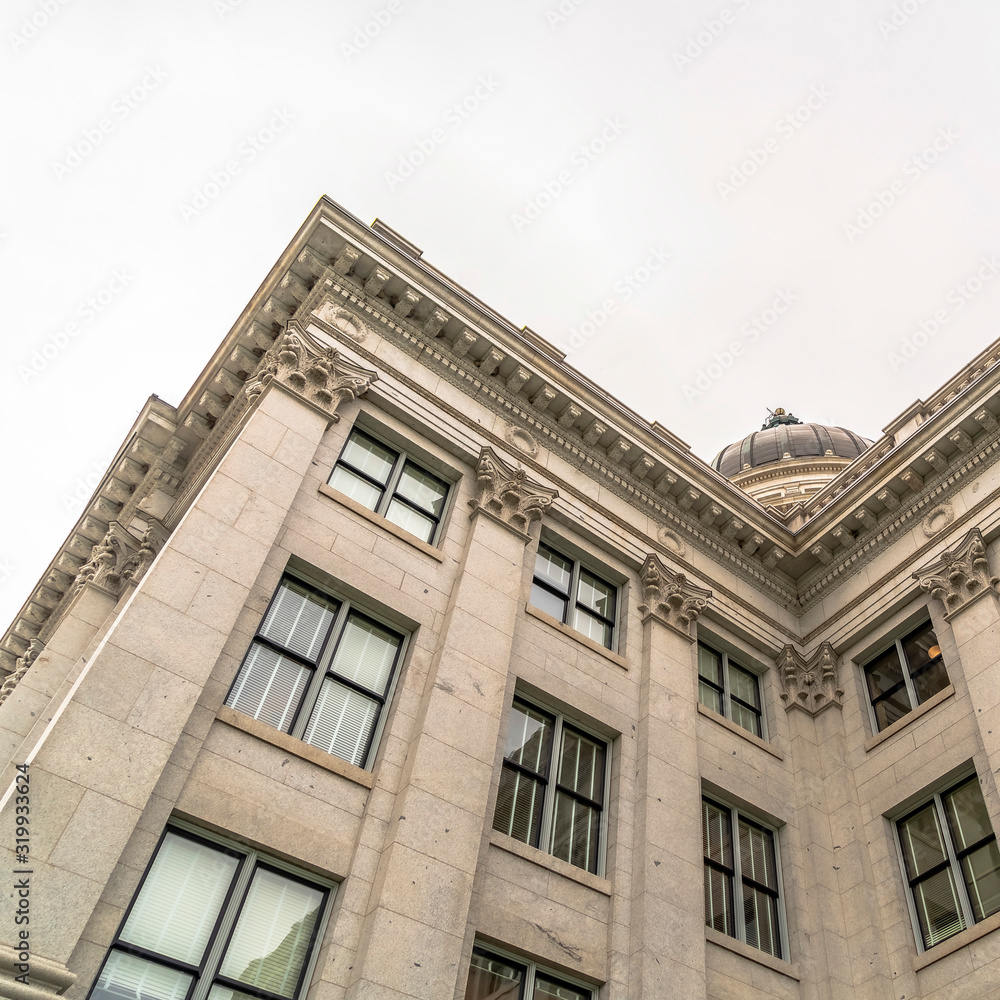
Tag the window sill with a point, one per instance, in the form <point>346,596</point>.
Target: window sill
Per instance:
<point>293,746</point>
<point>739,731</point>
<point>369,515</point>
<point>741,948</point>
<point>957,942</point>
<point>909,718</point>
<point>577,636</point>
<point>549,862</point>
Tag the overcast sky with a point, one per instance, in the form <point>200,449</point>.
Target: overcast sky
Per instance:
<point>644,184</point>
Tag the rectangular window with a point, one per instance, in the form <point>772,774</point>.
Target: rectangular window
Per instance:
<point>320,670</point>
<point>729,689</point>
<point>391,484</point>
<point>552,786</point>
<point>215,921</point>
<point>740,859</point>
<point>575,596</point>
<point>493,976</point>
<point>904,675</point>
<point>951,861</point>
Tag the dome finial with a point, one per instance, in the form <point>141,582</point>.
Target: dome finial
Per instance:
<point>778,416</point>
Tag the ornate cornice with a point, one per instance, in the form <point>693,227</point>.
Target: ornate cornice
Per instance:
<point>670,596</point>
<point>812,684</point>
<point>959,574</point>
<point>508,494</point>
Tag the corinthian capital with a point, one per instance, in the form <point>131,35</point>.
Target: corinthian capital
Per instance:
<point>669,596</point>
<point>959,574</point>
<point>811,684</point>
<point>508,494</point>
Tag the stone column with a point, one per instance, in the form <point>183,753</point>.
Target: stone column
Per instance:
<point>414,931</point>
<point>667,948</point>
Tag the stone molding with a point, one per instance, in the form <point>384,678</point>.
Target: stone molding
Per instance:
<point>508,494</point>
<point>320,375</point>
<point>959,574</point>
<point>812,684</point>
<point>20,668</point>
<point>670,597</point>
<point>45,980</point>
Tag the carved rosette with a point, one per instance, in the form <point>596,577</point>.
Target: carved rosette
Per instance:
<point>20,668</point>
<point>669,596</point>
<point>115,562</point>
<point>959,574</point>
<point>811,684</point>
<point>319,374</point>
<point>508,494</point>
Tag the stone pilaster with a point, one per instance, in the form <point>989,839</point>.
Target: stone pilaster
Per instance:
<point>414,932</point>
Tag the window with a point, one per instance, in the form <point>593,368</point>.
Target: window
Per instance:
<point>951,861</point>
<point>389,483</point>
<point>575,596</point>
<point>319,670</point>
<point>552,787</point>
<point>906,674</point>
<point>214,920</point>
<point>493,976</point>
<point>729,689</point>
<point>752,871</point>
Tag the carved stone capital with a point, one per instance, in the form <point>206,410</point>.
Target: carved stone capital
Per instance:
<point>508,494</point>
<point>959,574</point>
<point>669,596</point>
<point>812,684</point>
<point>319,374</point>
<point>20,668</point>
<point>119,559</point>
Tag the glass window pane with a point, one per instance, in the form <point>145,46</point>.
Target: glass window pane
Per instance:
<point>355,487</point>
<point>575,829</point>
<point>269,687</point>
<point>747,718</point>
<point>366,653</point>
<point>342,722</point>
<point>981,870</point>
<point>547,988</point>
<point>757,855</point>
<point>597,595</point>
<point>369,457</point>
<point>593,628</point>
<point>126,977</point>
<point>709,697</point>
<point>581,765</point>
<point>710,665</point>
<point>967,815</point>
<point>883,673</point>
<point>299,619</point>
<point>938,910</point>
<point>719,900</point>
<point>271,941</point>
<point>923,847</point>
<point>529,738</point>
<point>554,568</point>
<point>411,520</point>
<point>493,979</point>
<point>548,602</point>
<point>932,679</point>
<point>180,900</point>
<point>892,708</point>
<point>917,647</point>
<point>743,685</point>
<point>519,806</point>
<point>423,489</point>
<point>717,834</point>
<point>760,917</point>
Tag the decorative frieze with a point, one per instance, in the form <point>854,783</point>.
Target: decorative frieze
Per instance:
<point>508,494</point>
<point>959,574</point>
<point>669,596</point>
<point>812,684</point>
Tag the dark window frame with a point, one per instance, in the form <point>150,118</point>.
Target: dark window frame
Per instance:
<point>725,691</point>
<point>529,970</point>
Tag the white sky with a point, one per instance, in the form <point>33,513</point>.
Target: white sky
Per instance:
<point>209,75</point>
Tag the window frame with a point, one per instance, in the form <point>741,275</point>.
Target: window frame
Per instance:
<point>206,975</point>
<point>387,490</point>
<point>737,879</point>
<point>935,795</point>
<point>727,696</point>
<point>529,969</point>
<point>322,668</point>
<point>551,785</point>
<point>571,597</point>
<point>899,636</point>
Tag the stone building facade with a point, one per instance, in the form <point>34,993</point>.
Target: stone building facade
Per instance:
<point>399,660</point>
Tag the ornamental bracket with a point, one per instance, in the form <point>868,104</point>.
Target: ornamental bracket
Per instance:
<point>959,574</point>
<point>507,494</point>
<point>669,596</point>
<point>812,684</point>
